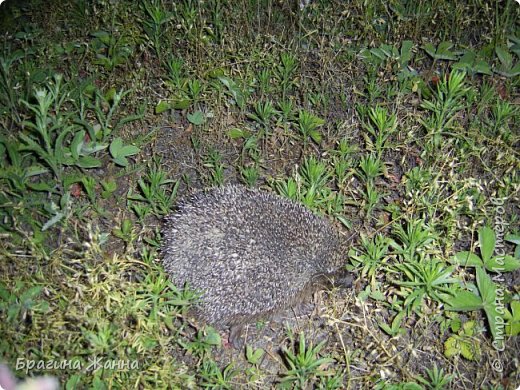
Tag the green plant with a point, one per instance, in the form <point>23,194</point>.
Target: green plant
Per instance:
<point>484,296</point>
<point>501,113</point>
<point>506,67</point>
<point>153,27</point>
<point>315,176</point>
<point>417,179</point>
<point>254,357</point>
<point>395,328</point>
<point>126,232</point>
<point>120,152</point>
<point>414,240</point>
<point>264,111</point>
<point>89,184</point>
<point>514,239</point>
<point>385,385</point>
<point>487,243</point>
<point>212,162</point>
<point>445,102</point>
<point>425,277</point>
<point>332,382</point>
<point>285,72</point>
<point>308,125</point>
<point>212,377</point>
<point>176,76</point>
<point>109,187</point>
<point>90,101</point>
<point>464,342</point>
<point>441,52</point>
<point>160,298</point>
<point>197,118</point>
<point>286,110</point>
<point>513,319</point>
<point>238,93</point>
<point>21,301</point>
<point>204,340</point>
<point>155,190</point>
<point>380,126</point>
<point>250,175</point>
<point>305,367</point>
<point>372,198</point>
<point>385,54</point>
<point>264,80</point>
<point>17,168</point>
<point>288,188</point>
<point>371,167</point>
<point>195,89</point>
<point>372,254</point>
<point>9,97</point>
<point>111,51</point>
<point>50,131</point>
<point>102,340</point>
<point>472,64</point>
<point>437,378</point>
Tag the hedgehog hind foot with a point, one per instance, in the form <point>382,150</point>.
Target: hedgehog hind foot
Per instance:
<point>345,280</point>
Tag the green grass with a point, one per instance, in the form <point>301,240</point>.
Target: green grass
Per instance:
<point>397,121</point>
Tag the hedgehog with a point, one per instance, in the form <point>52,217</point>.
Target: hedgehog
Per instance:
<point>249,253</point>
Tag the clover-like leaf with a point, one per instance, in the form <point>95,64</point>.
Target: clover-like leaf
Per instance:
<point>120,152</point>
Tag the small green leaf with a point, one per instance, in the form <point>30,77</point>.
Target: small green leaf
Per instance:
<point>115,146</point>
<point>463,301</point>
<point>344,221</point>
<point>212,338</point>
<point>77,143</point>
<point>238,133</point>
<point>181,104</point>
<point>35,170</point>
<point>503,264</point>
<point>110,94</point>
<point>129,150</point>
<point>162,106</point>
<point>234,90</point>
<point>482,67</point>
<point>513,319</point>
<point>430,49</point>
<point>406,52</point>
<point>217,72</point>
<point>513,238</point>
<point>121,161</point>
<point>444,52</point>
<point>488,291</point>
<point>120,152</point>
<point>73,382</point>
<point>470,351</point>
<point>103,36</point>
<point>315,135</point>
<point>455,324</point>
<point>88,162</point>
<point>70,179</point>
<point>486,238</point>
<point>41,186</point>
<point>451,347</point>
<point>466,259</point>
<point>30,294</point>
<point>486,287</point>
<point>197,118</point>
<point>385,328</point>
<point>53,221</point>
<point>504,56</point>
<point>254,355</point>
